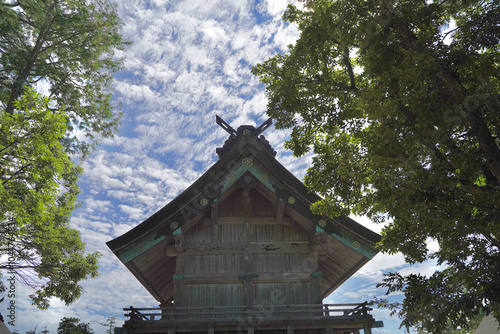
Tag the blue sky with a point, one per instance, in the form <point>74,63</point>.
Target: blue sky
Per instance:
<point>189,61</point>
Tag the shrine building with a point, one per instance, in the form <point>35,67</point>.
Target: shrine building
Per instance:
<point>240,251</point>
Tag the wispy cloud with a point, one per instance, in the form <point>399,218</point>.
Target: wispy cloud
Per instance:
<point>189,61</point>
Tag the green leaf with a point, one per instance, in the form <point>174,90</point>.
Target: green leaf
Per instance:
<point>480,181</point>
<point>403,119</point>
<point>70,45</point>
<point>38,189</point>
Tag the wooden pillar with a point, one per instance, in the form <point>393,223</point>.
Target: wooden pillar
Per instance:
<point>247,285</point>
<point>248,298</point>
<point>211,330</point>
<point>289,329</point>
<point>280,211</point>
<point>179,243</point>
<point>368,329</point>
<point>249,330</point>
<point>214,212</point>
<point>215,233</point>
<point>170,330</point>
<point>329,329</point>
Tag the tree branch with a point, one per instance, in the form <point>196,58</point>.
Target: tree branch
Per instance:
<point>347,61</point>
<point>20,80</point>
<point>485,140</point>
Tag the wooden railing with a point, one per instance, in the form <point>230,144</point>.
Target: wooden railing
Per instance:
<point>268,312</point>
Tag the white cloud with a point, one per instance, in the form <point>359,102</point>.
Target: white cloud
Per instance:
<point>273,7</point>
<point>189,61</point>
<point>380,264</point>
<point>92,204</point>
<point>133,212</point>
<point>214,33</point>
<point>136,93</point>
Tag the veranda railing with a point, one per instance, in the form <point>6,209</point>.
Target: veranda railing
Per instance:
<point>268,312</point>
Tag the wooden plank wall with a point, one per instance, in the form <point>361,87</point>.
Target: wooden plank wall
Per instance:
<point>246,257</point>
<point>212,294</point>
<point>285,293</point>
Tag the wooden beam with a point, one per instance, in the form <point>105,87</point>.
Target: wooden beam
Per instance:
<point>368,329</point>
<point>214,209</point>
<point>238,248</point>
<point>215,233</point>
<point>238,220</point>
<point>171,251</point>
<point>279,247</point>
<point>248,294</point>
<point>180,263</point>
<point>246,203</point>
<point>179,243</point>
<point>280,211</point>
<point>319,244</point>
<point>237,278</point>
<point>214,213</point>
<point>214,248</point>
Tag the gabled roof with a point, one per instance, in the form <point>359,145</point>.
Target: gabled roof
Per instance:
<point>143,249</point>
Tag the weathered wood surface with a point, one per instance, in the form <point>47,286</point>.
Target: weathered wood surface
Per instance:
<point>260,230</point>
<point>279,247</point>
<point>244,252</point>
<point>239,278</point>
<point>250,240</point>
<point>308,311</point>
<point>300,318</point>
<point>241,220</point>
<point>247,239</point>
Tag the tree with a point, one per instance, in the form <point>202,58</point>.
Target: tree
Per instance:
<point>110,324</point>
<point>73,326</point>
<point>69,45</point>
<point>37,194</point>
<point>33,331</point>
<point>473,325</point>
<point>399,100</point>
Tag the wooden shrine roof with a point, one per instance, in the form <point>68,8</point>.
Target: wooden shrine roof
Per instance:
<point>244,157</point>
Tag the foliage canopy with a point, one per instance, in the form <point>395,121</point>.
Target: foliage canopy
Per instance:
<point>69,46</point>
<point>399,99</point>
<point>37,194</point>
<point>73,326</point>
<point>65,47</point>
<point>110,324</point>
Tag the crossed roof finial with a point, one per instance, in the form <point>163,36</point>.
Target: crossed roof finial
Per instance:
<point>233,132</point>
<point>243,130</point>
<point>225,126</point>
